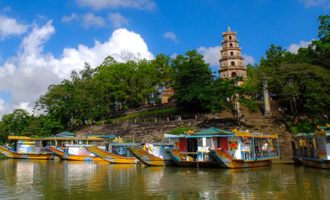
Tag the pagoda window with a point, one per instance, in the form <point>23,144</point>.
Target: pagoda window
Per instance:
<point>230,44</point>
<point>233,74</point>
<point>232,63</point>
<point>231,53</point>
<point>230,37</point>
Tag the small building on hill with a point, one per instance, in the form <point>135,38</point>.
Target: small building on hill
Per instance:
<point>166,95</point>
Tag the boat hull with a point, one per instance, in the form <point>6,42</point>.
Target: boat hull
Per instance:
<point>149,159</point>
<point>110,157</point>
<point>227,161</point>
<point>34,156</point>
<point>317,163</point>
<point>64,156</point>
<point>175,155</point>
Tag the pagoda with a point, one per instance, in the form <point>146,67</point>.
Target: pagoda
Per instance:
<point>231,62</point>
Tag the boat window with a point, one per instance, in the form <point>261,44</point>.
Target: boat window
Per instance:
<point>209,142</point>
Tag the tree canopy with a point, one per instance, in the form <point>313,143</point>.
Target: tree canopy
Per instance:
<point>300,82</point>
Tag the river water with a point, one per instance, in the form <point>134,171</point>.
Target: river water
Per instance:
<point>26,179</point>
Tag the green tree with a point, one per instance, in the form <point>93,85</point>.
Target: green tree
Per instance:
<point>193,79</point>
<point>221,95</point>
<point>15,123</point>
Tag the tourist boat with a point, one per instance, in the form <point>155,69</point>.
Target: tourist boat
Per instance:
<point>153,154</point>
<point>37,148</point>
<point>227,149</point>
<point>245,150</point>
<point>313,149</point>
<point>26,148</point>
<point>192,149</point>
<point>74,153</point>
<point>111,157</point>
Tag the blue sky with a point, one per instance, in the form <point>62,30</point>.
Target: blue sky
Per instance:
<point>42,41</point>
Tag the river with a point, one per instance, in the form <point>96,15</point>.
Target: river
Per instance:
<point>26,179</point>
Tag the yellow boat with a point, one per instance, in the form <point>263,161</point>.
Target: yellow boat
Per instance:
<point>153,154</point>
<point>32,155</point>
<point>83,154</point>
<point>146,158</point>
<point>111,157</point>
<point>36,148</point>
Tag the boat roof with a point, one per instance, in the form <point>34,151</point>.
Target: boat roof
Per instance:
<point>65,134</point>
<point>210,132</point>
<point>321,131</point>
<point>124,144</point>
<point>216,132</point>
<point>13,137</point>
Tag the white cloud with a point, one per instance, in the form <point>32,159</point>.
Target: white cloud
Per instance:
<point>10,27</point>
<point>174,55</point>
<point>293,48</point>
<point>248,60</point>
<point>101,4</point>
<point>28,74</point>
<point>2,107</point>
<point>70,18</point>
<point>171,36</point>
<point>313,3</point>
<point>118,20</point>
<point>211,54</point>
<point>91,20</point>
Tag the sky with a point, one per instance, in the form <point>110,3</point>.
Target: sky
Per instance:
<point>41,42</point>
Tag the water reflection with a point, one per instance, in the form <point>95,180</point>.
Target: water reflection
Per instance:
<point>24,179</point>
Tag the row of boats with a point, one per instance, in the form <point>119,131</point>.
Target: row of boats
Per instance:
<point>211,147</point>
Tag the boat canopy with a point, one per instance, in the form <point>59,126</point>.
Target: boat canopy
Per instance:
<point>310,135</point>
<point>255,135</point>
<point>53,138</point>
<point>65,134</point>
<point>210,132</point>
<point>106,136</point>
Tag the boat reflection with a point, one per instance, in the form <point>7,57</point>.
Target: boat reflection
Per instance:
<point>27,179</point>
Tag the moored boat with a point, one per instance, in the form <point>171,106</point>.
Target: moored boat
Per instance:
<point>43,155</point>
<point>313,149</point>
<point>153,154</point>
<point>37,148</point>
<point>111,157</point>
<point>189,159</point>
<point>75,153</point>
<point>227,149</point>
<point>193,148</point>
<point>244,150</point>
<point>25,148</point>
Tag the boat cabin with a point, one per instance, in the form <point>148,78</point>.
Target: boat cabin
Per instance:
<point>121,148</point>
<point>253,146</point>
<point>241,145</point>
<point>24,144</point>
<point>312,145</point>
<point>196,146</point>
